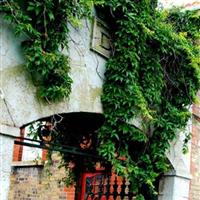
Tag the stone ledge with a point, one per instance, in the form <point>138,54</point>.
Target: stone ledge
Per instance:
<point>9,130</point>
<point>181,174</point>
<point>27,163</point>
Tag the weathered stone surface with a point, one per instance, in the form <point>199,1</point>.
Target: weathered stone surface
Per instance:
<point>87,70</point>
<point>174,188</point>
<point>6,149</point>
<point>175,184</point>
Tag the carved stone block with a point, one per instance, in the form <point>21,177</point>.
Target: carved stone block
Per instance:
<point>101,40</point>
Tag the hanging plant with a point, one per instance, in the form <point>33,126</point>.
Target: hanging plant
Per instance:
<point>44,24</point>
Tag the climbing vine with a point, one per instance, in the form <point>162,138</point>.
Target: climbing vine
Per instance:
<point>44,27</point>
<point>153,77</point>
<point>150,80</point>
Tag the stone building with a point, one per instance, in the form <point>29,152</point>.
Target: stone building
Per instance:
<point>20,106</point>
<point>18,101</point>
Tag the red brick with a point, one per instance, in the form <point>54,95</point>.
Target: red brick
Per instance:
<point>18,149</point>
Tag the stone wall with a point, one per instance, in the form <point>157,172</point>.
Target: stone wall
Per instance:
<point>175,184</point>
<point>6,155</point>
<point>19,102</point>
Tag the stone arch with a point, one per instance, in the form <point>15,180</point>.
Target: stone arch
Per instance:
<point>70,126</point>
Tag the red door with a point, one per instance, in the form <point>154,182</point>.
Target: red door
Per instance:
<point>104,186</point>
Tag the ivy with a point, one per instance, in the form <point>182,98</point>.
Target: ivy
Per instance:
<point>185,22</point>
<point>152,77</point>
<point>44,24</point>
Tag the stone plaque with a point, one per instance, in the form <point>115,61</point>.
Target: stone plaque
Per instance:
<point>101,40</point>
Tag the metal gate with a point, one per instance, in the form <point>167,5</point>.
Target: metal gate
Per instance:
<point>102,186</point>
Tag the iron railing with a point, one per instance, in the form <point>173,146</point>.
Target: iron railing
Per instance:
<point>107,187</point>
